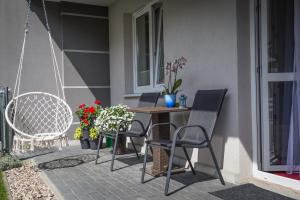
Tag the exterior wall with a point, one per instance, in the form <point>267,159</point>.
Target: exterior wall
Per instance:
<point>12,18</point>
<point>214,37</point>
<point>70,33</point>
<point>117,15</point>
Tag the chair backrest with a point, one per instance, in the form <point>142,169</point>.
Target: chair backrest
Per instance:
<point>205,111</point>
<point>146,100</point>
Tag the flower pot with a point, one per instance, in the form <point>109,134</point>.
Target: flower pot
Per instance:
<point>109,142</point>
<point>121,145</point>
<point>170,100</point>
<point>85,144</point>
<point>94,144</point>
<point>86,134</point>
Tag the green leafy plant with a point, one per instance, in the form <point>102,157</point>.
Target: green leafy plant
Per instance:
<point>78,133</point>
<point>3,189</point>
<point>9,162</point>
<point>94,133</point>
<point>172,68</point>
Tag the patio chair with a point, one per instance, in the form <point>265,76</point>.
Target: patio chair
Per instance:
<point>196,134</point>
<point>139,125</point>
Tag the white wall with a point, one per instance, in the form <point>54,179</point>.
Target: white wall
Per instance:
<point>209,35</point>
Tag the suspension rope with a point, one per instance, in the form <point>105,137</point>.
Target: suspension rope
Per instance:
<point>53,55</point>
<point>18,79</point>
<point>57,76</point>
<point>26,30</point>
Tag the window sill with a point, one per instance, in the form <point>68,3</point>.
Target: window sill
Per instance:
<point>132,96</point>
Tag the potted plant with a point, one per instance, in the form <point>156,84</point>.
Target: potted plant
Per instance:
<point>172,87</point>
<point>79,136</point>
<point>93,138</point>
<point>109,120</point>
<point>87,116</point>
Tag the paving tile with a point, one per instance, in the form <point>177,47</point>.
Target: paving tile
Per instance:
<point>88,181</point>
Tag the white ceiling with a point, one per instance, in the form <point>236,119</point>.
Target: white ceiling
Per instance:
<point>92,2</point>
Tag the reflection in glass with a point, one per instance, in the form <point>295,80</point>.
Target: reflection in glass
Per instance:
<point>280,36</point>
<point>280,102</point>
<point>158,43</point>
<point>143,51</point>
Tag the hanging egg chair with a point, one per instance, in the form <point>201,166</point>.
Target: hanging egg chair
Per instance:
<point>38,117</point>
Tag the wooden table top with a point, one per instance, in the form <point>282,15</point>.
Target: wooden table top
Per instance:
<point>154,110</point>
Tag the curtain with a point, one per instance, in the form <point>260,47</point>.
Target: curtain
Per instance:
<point>293,155</point>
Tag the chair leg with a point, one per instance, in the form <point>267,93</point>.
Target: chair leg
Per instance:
<point>136,152</point>
<point>189,160</point>
<point>169,170</point>
<point>144,165</point>
<point>216,163</point>
<point>98,149</point>
<point>151,149</point>
<point>114,152</point>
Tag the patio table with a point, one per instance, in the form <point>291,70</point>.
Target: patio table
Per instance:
<point>159,115</point>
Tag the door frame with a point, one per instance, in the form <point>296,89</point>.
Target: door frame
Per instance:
<point>255,109</point>
<point>266,78</point>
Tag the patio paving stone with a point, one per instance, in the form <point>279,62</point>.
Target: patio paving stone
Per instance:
<point>87,181</point>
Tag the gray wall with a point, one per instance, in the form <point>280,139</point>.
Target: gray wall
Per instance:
<point>81,45</point>
<point>214,37</point>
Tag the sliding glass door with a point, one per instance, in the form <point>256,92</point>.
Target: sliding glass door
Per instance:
<point>277,73</point>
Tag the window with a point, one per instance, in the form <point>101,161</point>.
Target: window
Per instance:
<point>148,48</point>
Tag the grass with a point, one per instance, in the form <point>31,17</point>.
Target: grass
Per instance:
<point>3,192</point>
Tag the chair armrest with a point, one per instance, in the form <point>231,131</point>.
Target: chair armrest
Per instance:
<point>131,122</point>
<point>182,128</point>
<point>161,124</point>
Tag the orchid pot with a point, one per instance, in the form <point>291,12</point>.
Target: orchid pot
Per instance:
<point>170,100</point>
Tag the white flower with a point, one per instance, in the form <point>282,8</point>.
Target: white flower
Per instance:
<point>110,118</point>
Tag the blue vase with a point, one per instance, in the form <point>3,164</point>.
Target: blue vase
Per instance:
<point>170,100</point>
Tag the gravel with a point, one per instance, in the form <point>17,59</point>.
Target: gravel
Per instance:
<point>25,184</point>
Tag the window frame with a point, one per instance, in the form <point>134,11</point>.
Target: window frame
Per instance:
<point>153,86</point>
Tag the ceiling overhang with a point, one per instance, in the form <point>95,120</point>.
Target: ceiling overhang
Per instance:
<point>90,2</point>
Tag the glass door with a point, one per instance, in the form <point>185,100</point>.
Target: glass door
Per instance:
<point>277,58</point>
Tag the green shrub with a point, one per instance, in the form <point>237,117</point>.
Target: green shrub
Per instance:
<point>9,162</point>
<point>3,189</point>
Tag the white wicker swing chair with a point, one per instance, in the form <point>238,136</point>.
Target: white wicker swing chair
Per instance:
<point>39,119</point>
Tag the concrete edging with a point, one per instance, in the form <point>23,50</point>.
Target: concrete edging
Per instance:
<point>6,185</point>
<point>49,183</point>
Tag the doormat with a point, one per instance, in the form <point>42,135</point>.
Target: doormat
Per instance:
<point>65,162</point>
<point>248,192</point>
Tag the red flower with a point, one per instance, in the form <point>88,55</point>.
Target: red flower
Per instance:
<point>86,122</point>
<point>98,102</point>
<point>86,110</point>
<point>92,110</point>
<point>82,106</point>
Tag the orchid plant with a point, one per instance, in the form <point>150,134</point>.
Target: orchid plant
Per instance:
<point>172,68</point>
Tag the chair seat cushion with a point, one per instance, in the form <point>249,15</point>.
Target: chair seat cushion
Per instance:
<point>179,143</point>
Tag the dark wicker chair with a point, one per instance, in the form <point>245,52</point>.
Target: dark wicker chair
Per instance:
<point>139,125</point>
<point>196,134</point>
